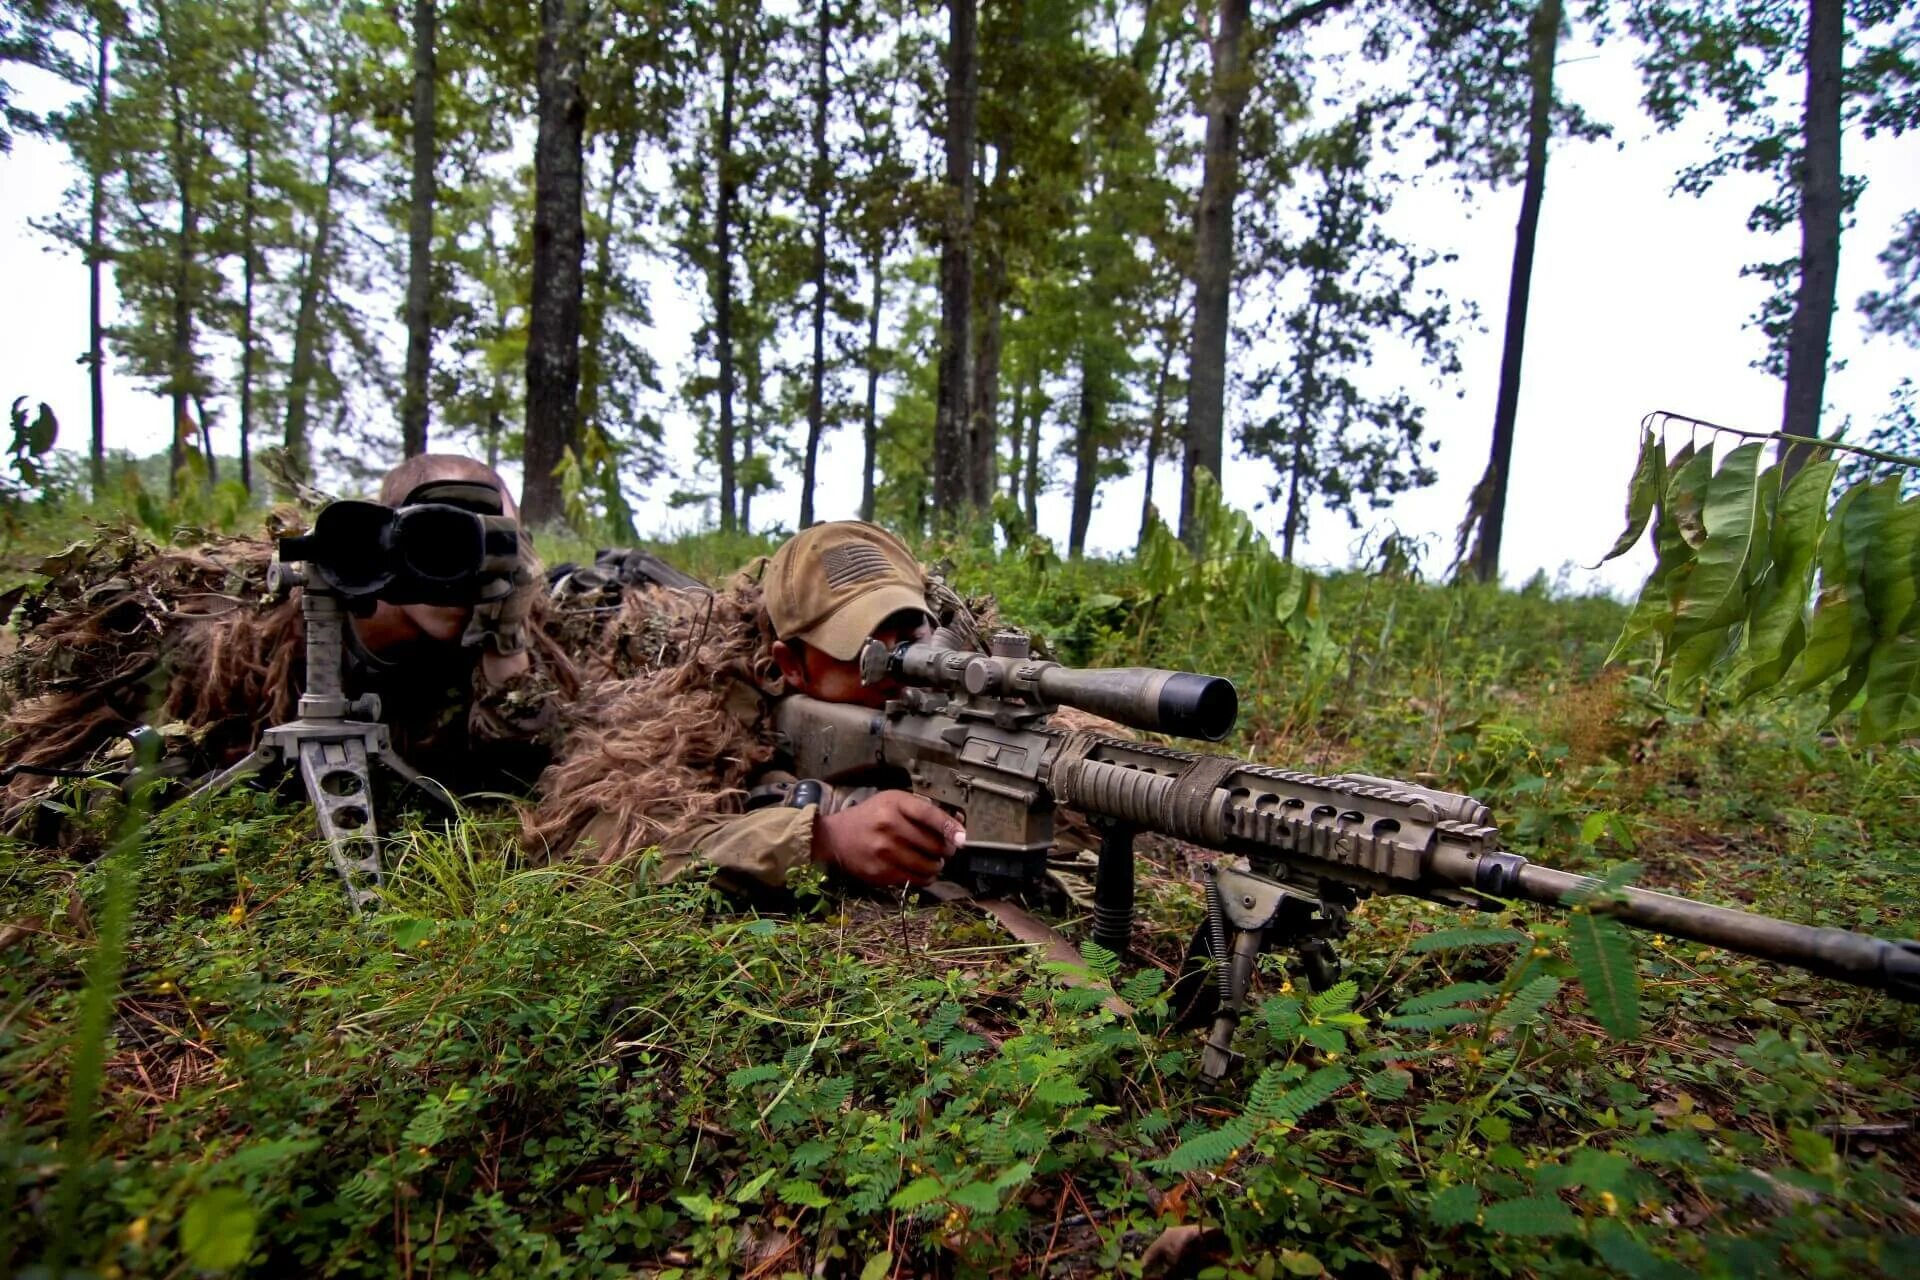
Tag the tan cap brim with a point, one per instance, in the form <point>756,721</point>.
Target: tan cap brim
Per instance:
<point>840,635</point>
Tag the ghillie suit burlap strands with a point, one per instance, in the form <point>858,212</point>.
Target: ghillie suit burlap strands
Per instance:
<point>188,640</point>
<point>677,725</point>
<point>88,668</point>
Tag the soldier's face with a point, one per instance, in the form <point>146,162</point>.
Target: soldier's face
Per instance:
<point>818,674</point>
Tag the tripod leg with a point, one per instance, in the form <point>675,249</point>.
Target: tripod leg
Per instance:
<point>261,758</point>
<point>434,789</point>
<point>341,789</point>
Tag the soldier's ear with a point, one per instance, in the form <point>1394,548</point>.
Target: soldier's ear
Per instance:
<point>791,659</point>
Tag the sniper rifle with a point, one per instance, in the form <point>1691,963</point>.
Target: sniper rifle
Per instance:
<point>971,731</point>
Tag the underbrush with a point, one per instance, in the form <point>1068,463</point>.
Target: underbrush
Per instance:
<point>519,1070</point>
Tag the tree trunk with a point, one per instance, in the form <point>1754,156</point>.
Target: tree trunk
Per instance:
<point>751,367</point>
<point>1086,456</point>
<point>1156,432</point>
<point>1822,201</point>
<point>248,252</point>
<point>1490,496</point>
<point>870,426</point>
<point>1016,440</point>
<point>983,451</point>
<point>953,409</point>
<point>206,438</point>
<point>413,401</point>
<point>180,372</point>
<point>1213,256</point>
<point>96,257</point>
<point>593,315</point>
<point>306,325</point>
<point>1035,412</point>
<point>723,271</point>
<point>553,314</point>
<point>817,194</point>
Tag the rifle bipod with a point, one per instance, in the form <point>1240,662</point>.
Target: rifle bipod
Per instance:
<point>334,741</point>
<point>1246,915</point>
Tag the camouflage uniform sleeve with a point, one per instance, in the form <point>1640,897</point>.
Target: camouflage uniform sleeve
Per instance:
<point>762,846</point>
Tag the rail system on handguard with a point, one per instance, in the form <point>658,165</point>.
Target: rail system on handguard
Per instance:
<point>970,731</point>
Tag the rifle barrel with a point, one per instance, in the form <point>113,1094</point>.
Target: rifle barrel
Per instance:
<point>1893,967</point>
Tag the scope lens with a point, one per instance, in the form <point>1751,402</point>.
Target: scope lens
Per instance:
<point>347,542</point>
<point>1196,706</point>
<point>439,543</point>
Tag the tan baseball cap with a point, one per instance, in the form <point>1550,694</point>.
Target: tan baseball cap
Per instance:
<point>832,584</point>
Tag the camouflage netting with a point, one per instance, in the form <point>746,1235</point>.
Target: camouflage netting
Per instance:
<point>88,668</point>
<point>188,640</point>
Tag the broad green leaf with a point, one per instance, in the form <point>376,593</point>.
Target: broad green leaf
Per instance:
<point>1530,1216</point>
<point>1597,1170</point>
<point>408,934</point>
<point>1686,475</point>
<point>216,1232</point>
<point>1888,564</point>
<point>977,1196</point>
<point>1686,497</point>
<point>1642,492</point>
<point>1776,621</point>
<point>1295,1262</point>
<point>753,1189</point>
<point>878,1267</point>
<point>1710,595</point>
<point>922,1190</point>
<point>1603,957</point>
<point>1454,1207</point>
<point>1830,634</point>
<point>1892,708</point>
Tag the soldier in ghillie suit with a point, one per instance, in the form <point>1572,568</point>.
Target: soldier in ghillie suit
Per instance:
<point>683,758</point>
<point>189,641</point>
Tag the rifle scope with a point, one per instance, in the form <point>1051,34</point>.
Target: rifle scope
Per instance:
<point>423,553</point>
<point>1173,702</point>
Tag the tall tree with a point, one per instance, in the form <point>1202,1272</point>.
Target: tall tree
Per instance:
<point>726,184</point>
<point>1822,199</point>
<point>953,409</point>
<point>819,197</point>
<point>414,404</point>
<point>1488,507</point>
<point>1227,91</point>
<point>559,238</point>
<point>1733,53</point>
<point>1344,291</point>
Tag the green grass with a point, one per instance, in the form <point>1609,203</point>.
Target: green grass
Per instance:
<point>528,1071</point>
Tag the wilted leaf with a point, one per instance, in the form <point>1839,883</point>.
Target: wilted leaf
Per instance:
<point>1642,492</point>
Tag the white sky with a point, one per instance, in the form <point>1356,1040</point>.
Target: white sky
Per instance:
<point>1638,304</point>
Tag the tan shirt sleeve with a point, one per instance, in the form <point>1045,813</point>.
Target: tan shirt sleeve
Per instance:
<point>763,845</point>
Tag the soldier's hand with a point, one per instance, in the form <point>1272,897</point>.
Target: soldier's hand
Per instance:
<point>894,838</point>
<point>500,618</point>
